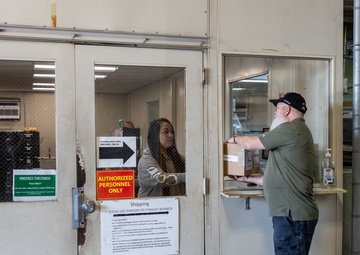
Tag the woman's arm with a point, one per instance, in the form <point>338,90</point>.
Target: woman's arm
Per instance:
<point>151,174</point>
<point>257,179</point>
<point>165,178</point>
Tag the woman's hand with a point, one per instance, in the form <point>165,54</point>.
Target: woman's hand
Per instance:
<point>256,179</point>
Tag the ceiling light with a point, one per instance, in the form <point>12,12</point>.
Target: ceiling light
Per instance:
<point>43,84</point>
<point>105,68</point>
<point>256,81</point>
<point>100,76</point>
<point>44,75</point>
<point>44,66</point>
<point>44,89</point>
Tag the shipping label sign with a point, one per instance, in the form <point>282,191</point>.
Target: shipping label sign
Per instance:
<point>138,227</point>
<point>34,185</point>
<point>115,184</point>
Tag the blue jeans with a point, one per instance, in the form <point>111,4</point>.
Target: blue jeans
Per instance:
<point>292,237</point>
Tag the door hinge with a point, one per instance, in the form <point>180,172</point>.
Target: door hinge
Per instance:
<point>205,186</point>
<point>80,207</point>
<point>204,76</point>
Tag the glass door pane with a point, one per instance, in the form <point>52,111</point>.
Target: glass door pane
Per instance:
<point>27,120</point>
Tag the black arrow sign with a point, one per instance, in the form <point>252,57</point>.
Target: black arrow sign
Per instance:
<point>124,152</point>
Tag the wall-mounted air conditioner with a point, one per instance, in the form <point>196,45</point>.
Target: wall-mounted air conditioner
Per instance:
<point>9,108</point>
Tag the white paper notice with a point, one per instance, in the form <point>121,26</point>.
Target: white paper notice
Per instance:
<point>137,227</point>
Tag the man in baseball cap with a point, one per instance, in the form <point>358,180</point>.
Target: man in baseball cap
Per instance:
<point>292,99</point>
<point>288,178</point>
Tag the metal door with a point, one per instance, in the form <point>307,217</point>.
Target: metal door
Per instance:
<point>39,225</point>
<point>191,206</point>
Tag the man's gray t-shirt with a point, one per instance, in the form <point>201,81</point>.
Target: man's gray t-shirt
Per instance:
<point>290,171</point>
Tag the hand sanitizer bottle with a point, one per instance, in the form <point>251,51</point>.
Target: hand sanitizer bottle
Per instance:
<point>328,169</point>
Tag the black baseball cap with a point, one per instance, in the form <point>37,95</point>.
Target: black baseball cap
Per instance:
<point>292,99</point>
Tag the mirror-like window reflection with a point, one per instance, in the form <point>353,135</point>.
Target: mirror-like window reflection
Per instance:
<point>146,103</point>
<point>27,120</point>
<point>249,104</point>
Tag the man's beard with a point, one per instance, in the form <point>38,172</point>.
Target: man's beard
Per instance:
<point>277,121</point>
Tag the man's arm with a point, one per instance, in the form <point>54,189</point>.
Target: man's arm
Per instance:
<point>247,142</point>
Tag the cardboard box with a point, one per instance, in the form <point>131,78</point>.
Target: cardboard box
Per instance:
<point>240,162</point>
<point>256,161</point>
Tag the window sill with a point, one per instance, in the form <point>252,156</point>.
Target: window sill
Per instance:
<point>258,192</point>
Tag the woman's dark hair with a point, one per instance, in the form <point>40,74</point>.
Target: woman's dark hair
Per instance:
<point>155,146</point>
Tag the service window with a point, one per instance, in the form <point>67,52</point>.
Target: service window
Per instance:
<point>249,83</point>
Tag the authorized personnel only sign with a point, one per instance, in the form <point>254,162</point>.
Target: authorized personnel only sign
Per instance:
<point>115,184</point>
<point>34,185</point>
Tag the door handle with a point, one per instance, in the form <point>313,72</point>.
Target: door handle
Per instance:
<point>80,207</point>
<point>88,206</point>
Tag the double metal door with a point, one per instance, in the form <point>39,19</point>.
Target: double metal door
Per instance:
<point>46,227</point>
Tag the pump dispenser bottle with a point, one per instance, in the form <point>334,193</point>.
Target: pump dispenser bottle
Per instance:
<point>328,169</point>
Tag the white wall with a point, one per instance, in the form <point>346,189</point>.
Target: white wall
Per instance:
<point>161,91</point>
<point>186,17</point>
<point>279,28</point>
<point>37,110</point>
<point>109,108</point>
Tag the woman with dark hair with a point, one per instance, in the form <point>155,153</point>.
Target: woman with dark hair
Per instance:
<point>161,169</point>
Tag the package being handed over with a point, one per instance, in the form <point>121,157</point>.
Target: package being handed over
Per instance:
<point>240,162</point>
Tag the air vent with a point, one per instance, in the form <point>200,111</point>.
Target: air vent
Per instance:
<point>9,108</point>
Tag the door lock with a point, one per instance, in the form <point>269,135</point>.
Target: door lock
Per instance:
<point>80,207</point>
<point>88,207</point>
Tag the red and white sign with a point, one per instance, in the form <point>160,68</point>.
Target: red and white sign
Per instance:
<point>115,184</point>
